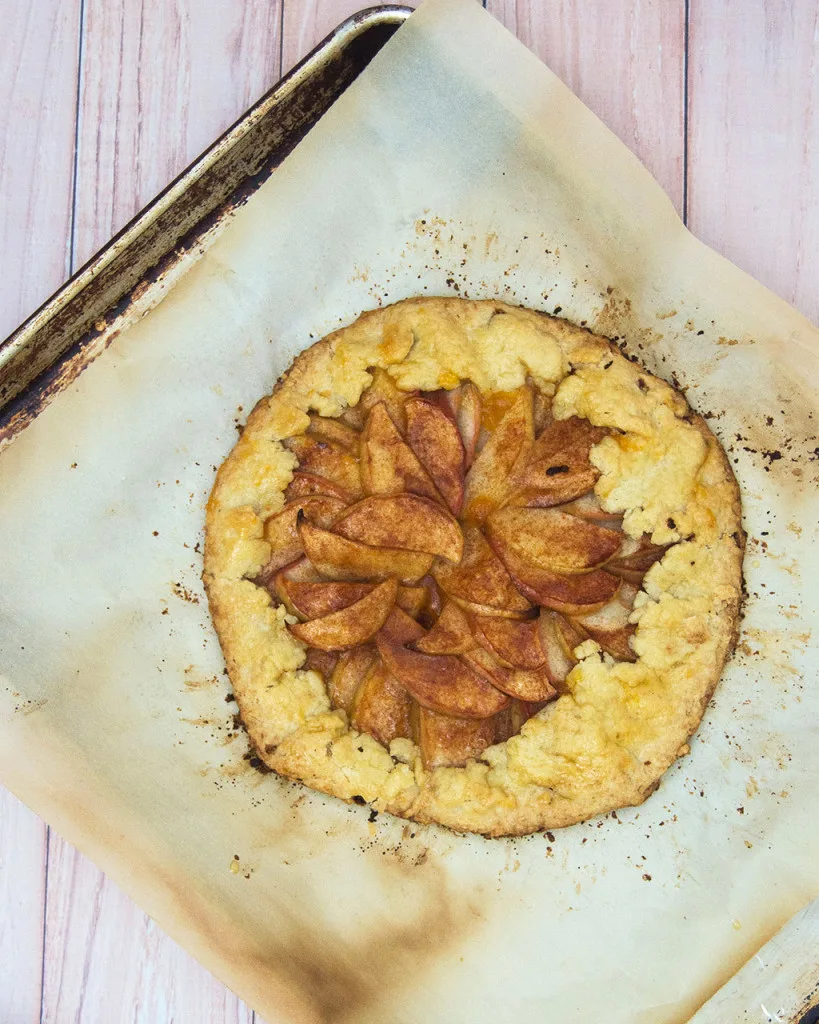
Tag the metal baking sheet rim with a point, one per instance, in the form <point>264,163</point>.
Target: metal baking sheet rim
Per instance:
<point>35,368</point>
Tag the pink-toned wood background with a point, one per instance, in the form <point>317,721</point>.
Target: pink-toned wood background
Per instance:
<point>102,102</point>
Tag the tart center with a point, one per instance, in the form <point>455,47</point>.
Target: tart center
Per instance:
<point>444,556</point>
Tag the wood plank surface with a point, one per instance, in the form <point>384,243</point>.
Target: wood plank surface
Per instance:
<point>754,140</point>
<point>625,59</point>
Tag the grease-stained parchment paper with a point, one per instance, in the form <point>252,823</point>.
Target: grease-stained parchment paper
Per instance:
<point>456,164</point>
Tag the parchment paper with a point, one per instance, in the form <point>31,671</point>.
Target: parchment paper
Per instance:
<point>456,164</point>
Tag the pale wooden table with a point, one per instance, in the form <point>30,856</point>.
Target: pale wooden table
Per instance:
<point>102,102</point>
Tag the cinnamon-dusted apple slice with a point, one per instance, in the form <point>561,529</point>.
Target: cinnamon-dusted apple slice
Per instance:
<point>514,644</point>
<point>463,405</point>
<point>388,464</point>
<point>306,484</point>
<point>401,628</point>
<point>403,521</point>
<point>412,600</point>
<point>525,684</point>
<point>501,459</point>
<point>280,529</point>
<point>542,411</point>
<point>442,682</point>
<point>559,468</point>
<point>348,675</point>
<point>480,583</point>
<point>610,627</point>
<point>323,662</point>
<point>570,634</point>
<point>341,559</point>
<point>635,558</point>
<point>324,458</point>
<point>326,428</point>
<point>436,440</point>
<point>558,663</point>
<point>572,595</point>
<point>353,625</point>
<point>451,633</point>
<point>384,389</point>
<point>446,741</point>
<point>270,578</point>
<point>588,507</point>
<point>381,706</point>
<point>547,538</point>
<point>314,600</point>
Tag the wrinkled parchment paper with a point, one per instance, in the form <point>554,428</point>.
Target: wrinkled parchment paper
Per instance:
<point>457,164</point>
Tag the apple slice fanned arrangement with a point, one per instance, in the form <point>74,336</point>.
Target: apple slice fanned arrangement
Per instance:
<point>442,556</point>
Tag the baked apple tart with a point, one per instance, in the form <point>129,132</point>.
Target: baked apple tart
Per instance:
<point>470,564</point>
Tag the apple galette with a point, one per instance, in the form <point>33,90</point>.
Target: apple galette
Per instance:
<point>470,564</point>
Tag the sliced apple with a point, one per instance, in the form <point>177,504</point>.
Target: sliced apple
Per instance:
<point>401,628</point>
<point>280,529</point>
<point>558,468</point>
<point>500,460</point>
<point>381,706</point>
<point>481,581</point>
<point>315,600</point>
<point>351,626</point>
<point>335,431</point>
<point>384,389</point>
<point>305,484</point>
<point>451,633</point>
<point>403,521</point>
<point>570,634</point>
<point>509,722</point>
<point>525,684</point>
<point>542,411</point>
<point>327,459</point>
<point>338,558</point>
<point>349,673</point>
<point>388,464</point>
<point>610,627</point>
<point>514,644</point>
<point>635,558</point>
<point>558,663</point>
<point>573,595</point>
<point>450,742</point>
<point>323,662</point>
<point>549,539</point>
<point>463,406</point>
<point>588,507</point>
<point>442,682</point>
<point>436,441</point>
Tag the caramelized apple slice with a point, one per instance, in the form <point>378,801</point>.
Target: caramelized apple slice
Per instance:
<point>450,634</point>
<point>509,722</point>
<point>549,539</point>
<point>502,458</point>
<point>350,671</point>
<point>588,507</point>
<point>447,741</point>
<point>570,634</point>
<point>436,440</point>
<point>384,389</point>
<point>353,625</point>
<point>525,684</point>
<point>335,431</point>
<point>480,582</point>
<point>280,529</point>
<point>610,627</point>
<point>305,484</point>
<point>558,663</point>
<point>635,558</point>
<point>314,600</point>
<point>542,413</point>
<point>442,682</point>
<point>401,629</point>
<point>463,406</point>
<point>412,600</point>
<point>324,458</point>
<point>388,464</point>
<point>338,558</point>
<point>403,521</point>
<point>573,595</point>
<point>323,662</point>
<point>269,577</point>
<point>558,468</point>
<point>382,706</point>
<point>514,644</point>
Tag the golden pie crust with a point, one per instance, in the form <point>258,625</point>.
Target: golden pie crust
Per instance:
<point>606,742</point>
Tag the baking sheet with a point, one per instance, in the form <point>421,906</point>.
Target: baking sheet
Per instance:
<point>456,164</point>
